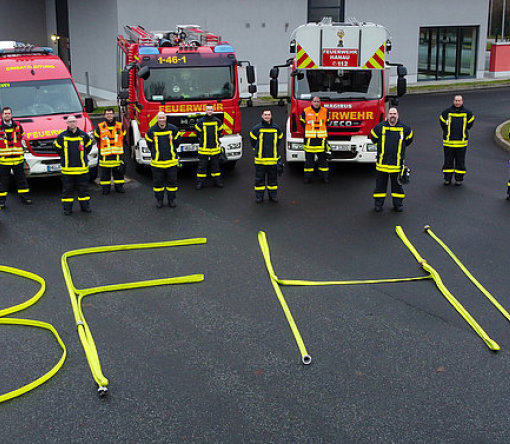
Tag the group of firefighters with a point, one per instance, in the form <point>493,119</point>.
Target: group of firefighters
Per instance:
<point>390,136</point>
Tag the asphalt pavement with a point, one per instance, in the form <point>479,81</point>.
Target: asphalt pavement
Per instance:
<point>216,361</point>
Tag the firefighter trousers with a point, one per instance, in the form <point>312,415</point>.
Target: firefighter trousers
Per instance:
<point>381,183</point>
<point>214,164</point>
<point>164,178</point>
<point>75,183</point>
<point>321,162</point>
<point>261,173</point>
<point>454,162</point>
<point>19,177</point>
<point>106,174</point>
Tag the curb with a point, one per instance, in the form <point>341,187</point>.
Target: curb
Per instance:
<point>498,137</point>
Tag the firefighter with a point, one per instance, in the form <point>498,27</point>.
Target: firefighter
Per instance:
<point>163,139</point>
<point>456,122</point>
<point>266,138</point>
<point>12,158</point>
<point>209,129</point>
<point>110,135</point>
<point>73,146</point>
<point>391,137</point>
<point>314,120</point>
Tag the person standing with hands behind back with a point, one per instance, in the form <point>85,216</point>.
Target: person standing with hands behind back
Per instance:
<point>456,122</point>
<point>391,137</point>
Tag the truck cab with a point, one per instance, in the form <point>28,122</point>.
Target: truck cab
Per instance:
<point>38,87</point>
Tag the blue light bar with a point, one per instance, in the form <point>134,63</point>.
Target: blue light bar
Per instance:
<point>223,48</point>
<point>147,50</point>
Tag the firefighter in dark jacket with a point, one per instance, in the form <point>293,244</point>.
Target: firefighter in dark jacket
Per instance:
<point>12,158</point>
<point>73,146</point>
<point>111,136</point>
<point>266,138</point>
<point>391,137</point>
<point>163,139</point>
<point>314,120</point>
<point>209,130</point>
<point>456,122</point>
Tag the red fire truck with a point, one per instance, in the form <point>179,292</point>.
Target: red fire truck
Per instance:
<point>37,85</point>
<point>179,72</point>
<point>345,65</point>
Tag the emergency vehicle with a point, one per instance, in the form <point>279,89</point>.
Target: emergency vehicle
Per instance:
<point>38,87</point>
<point>179,72</point>
<point>346,66</point>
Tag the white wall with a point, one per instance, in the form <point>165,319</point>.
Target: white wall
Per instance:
<point>21,21</point>
<point>404,18</point>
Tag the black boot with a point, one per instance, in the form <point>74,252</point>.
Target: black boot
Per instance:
<point>85,206</point>
<point>120,188</point>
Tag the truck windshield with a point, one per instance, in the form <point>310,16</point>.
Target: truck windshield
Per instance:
<point>339,84</point>
<point>195,83</point>
<point>40,97</point>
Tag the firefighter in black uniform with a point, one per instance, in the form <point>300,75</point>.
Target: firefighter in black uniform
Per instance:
<point>391,137</point>
<point>12,158</point>
<point>73,146</point>
<point>314,120</point>
<point>266,138</point>
<point>111,140</point>
<point>456,122</point>
<point>163,139</point>
<point>209,130</point>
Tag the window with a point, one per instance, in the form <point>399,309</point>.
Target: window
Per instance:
<point>317,9</point>
<point>447,52</point>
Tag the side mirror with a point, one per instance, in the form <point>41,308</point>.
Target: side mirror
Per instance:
<point>401,71</point>
<point>401,86</point>
<point>252,89</point>
<point>89,104</point>
<point>124,81</point>
<point>250,73</point>
<point>123,95</point>
<point>144,72</point>
<point>274,72</point>
<point>273,88</point>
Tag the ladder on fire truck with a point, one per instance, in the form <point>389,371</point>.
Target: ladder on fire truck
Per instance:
<point>184,35</point>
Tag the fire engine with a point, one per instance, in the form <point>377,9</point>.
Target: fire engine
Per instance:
<point>346,66</point>
<point>38,87</point>
<point>179,72</point>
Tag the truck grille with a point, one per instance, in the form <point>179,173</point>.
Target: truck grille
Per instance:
<point>43,146</point>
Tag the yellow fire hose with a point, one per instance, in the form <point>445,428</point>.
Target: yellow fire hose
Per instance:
<point>468,274</point>
<point>77,296</point>
<point>449,297</point>
<point>30,323</point>
<point>276,282</point>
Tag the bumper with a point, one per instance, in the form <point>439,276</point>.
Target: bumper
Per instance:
<point>45,166</point>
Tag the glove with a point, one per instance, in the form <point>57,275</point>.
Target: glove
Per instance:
<point>279,167</point>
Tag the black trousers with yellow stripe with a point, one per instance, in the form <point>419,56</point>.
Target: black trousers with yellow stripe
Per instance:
<point>164,178</point>
<point>322,164</point>
<point>381,183</point>
<point>261,172</point>
<point>19,177</point>
<point>78,183</point>
<point>214,164</point>
<point>106,174</point>
<point>454,162</point>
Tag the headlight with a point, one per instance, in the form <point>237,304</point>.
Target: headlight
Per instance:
<point>371,147</point>
<point>297,146</point>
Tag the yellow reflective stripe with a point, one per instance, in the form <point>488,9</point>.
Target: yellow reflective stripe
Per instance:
<point>379,194</point>
<point>24,190</point>
<point>401,196</point>
<point>323,169</point>
<point>308,170</point>
<point>84,198</point>
<point>201,175</point>
<point>75,170</point>
<point>158,189</point>
<point>272,187</point>
<point>260,188</point>
<point>266,160</point>
<point>67,199</point>
<point>172,188</point>
<point>164,163</point>
<point>460,171</point>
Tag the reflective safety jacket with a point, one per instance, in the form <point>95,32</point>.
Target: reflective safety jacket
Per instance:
<point>110,139</point>
<point>11,148</point>
<point>73,149</point>
<point>266,139</point>
<point>391,144</point>
<point>209,131</point>
<point>455,123</point>
<point>163,143</point>
<point>314,123</point>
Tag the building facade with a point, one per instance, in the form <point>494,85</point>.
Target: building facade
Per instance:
<point>435,40</point>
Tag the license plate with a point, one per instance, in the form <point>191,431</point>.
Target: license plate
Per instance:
<point>54,167</point>
<point>341,148</point>
<point>188,147</point>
